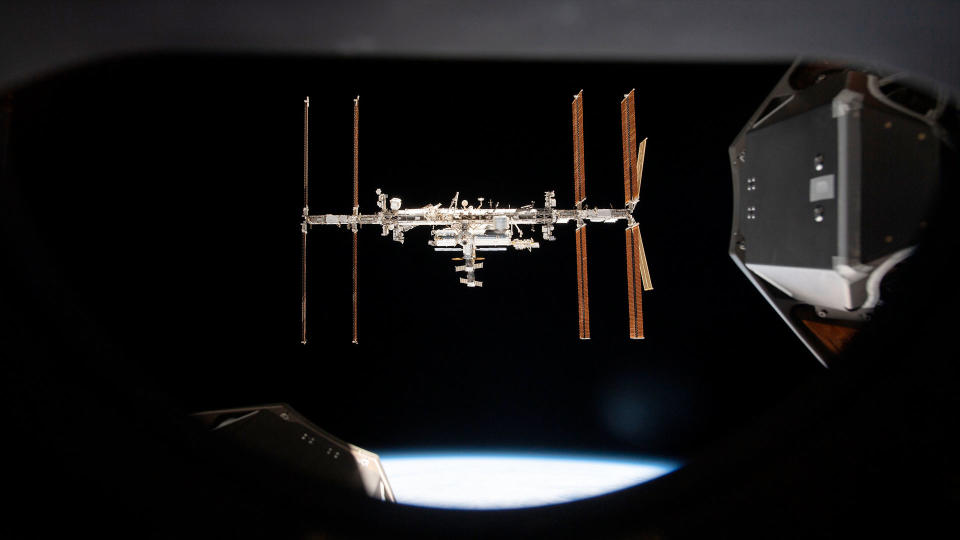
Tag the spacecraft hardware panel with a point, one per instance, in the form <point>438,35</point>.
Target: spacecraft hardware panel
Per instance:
<point>280,432</point>
<point>832,179</point>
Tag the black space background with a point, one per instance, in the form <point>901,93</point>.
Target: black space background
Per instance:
<point>161,203</point>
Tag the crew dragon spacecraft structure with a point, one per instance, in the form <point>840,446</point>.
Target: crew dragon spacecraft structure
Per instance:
<point>468,229</point>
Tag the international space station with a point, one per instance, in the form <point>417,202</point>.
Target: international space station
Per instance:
<point>468,229</point>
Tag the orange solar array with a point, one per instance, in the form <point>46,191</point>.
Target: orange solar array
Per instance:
<point>631,299</point>
<point>356,203</point>
<point>634,286</point>
<point>628,131</point>
<point>303,232</point>
<point>638,275</point>
<point>354,286</point>
<point>579,285</point>
<point>579,194</point>
<point>579,183</point>
<point>583,295</point>
<point>303,291</point>
<point>356,163</point>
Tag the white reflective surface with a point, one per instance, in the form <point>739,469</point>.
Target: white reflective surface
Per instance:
<point>501,480</point>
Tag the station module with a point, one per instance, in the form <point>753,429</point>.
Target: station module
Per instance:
<point>469,229</point>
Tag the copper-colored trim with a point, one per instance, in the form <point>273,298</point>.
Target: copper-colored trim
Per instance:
<point>833,336</point>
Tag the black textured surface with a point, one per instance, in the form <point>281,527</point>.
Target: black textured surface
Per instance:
<point>901,171</point>
<point>780,156</point>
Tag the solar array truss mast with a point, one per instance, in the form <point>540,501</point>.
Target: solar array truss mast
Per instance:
<point>468,229</point>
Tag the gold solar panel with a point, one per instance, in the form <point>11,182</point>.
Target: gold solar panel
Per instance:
<point>586,290</point>
<point>303,232</point>
<point>637,288</point>
<point>634,286</point>
<point>641,152</point>
<point>356,203</point>
<point>303,290</point>
<point>628,135</point>
<point>579,184</point>
<point>583,295</point>
<point>354,286</point>
<point>306,146</point>
<point>579,285</point>
<point>356,162</point>
<point>631,300</point>
<point>642,260</point>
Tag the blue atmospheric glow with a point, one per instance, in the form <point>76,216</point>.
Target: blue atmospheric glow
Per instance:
<point>510,480</point>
